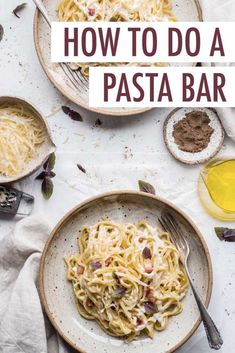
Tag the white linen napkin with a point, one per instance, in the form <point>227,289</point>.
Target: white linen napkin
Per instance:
<point>23,327</point>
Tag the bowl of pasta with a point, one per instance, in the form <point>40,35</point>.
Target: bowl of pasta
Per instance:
<point>110,276</point>
<point>103,10</point>
<point>25,142</point>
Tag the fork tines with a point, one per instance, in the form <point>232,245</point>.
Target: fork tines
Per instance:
<point>78,80</point>
<point>170,225</point>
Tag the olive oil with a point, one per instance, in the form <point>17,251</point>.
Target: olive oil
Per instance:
<point>217,189</point>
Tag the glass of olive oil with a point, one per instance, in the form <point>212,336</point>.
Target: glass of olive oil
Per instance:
<point>216,188</point>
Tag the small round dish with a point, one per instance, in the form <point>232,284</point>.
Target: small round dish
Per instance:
<point>46,148</point>
<point>214,145</point>
<point>57,294</point>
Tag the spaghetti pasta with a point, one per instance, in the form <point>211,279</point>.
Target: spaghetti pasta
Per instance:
<point>20,136</point>
<point>114,10</point>
<point>128,278</point>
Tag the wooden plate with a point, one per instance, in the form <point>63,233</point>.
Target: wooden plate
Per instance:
<point>57,295</point>
<point>185,10</point>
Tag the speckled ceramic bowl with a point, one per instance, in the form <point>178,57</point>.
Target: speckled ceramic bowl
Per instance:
<point>214,145</point>
<point>184,10</point>
<point>43,152</point>
<point>57,295</point>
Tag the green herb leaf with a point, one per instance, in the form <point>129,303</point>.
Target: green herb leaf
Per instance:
<point>1,32</point>
<point>41,176</point>
<point>147,253</point>
<point>72,113</point>
<point>50,163</point>
<point>98,122</point>
<point>119,292</point>
<point>226,234</point>
<point>150,307</point>
<point>47,188</point>
<point>146,187</point>
<point>116,277</point>
<point>80,167</point>
<point>18,9</point>
<point>50,174</point>
<point>96,265</point>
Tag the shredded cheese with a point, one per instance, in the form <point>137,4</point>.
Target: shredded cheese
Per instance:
<point>20,136</point>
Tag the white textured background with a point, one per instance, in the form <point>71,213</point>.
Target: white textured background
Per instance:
<point>115,155</point>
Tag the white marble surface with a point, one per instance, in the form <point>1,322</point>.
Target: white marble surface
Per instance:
<point>115,155</point>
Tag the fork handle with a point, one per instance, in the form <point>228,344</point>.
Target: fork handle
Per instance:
<point>214,338</point>
<point>43,11</point>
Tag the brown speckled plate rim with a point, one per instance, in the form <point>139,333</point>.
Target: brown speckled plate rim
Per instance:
<point>64,91</point>
<point>76,209</point>
<point>201,161</point>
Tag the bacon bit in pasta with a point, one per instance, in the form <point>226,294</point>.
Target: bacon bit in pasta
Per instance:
<point>148,266</point>
<point>89,303</point>
<point>108,261</point>
<point>141,240</point>
<point>151,297</point>
<point>146,291</point>
<point>91,11</point>
<point>80,270</point>
<point>139,321</point>
<point>147,253</point>
<point>121,269</point>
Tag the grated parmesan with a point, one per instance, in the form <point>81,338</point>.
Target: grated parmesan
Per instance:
<point>20,136</point>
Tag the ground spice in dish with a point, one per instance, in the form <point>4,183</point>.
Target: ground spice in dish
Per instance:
<point>193,133</point>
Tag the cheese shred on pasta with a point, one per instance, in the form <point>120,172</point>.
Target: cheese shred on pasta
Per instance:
<point>20,135</point>
<point>112,11</point>
<point>128,278</point>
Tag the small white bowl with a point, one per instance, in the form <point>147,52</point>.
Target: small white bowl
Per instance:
<point>214,145</point>
<point>46,148</point>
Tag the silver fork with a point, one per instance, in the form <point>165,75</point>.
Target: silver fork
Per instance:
<point>77,79</point>
<point>170,225</point>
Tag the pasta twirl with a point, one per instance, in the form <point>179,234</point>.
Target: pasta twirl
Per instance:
<point>127,277</point>
<point>20,137</point>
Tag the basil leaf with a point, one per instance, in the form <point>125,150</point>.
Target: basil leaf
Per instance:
<point>41,176</point>
<point>150,308</point>
<point>1,32</point>
<point>116,277</point>
<point>146,187</point>
<point>96,265</point>
<point>50,163</point>
<point>47,188</point>
<point>98,122</point>
<point>18,9</point>
<point>119,292</point>
<point>72,113</point>
<point>50,174</point>
<point>80,167</point>
<point>226,234</point>
<point>147,253</point>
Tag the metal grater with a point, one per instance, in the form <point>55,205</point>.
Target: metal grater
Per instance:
<point>10,201</point>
